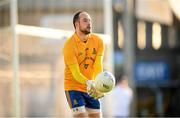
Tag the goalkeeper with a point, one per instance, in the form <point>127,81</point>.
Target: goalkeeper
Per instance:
<point>83,55</point>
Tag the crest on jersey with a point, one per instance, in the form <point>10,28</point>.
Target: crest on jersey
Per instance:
<point>94,51</point>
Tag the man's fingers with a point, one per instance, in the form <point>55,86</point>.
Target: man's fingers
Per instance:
<point>92,91</point>
<point>99,95</point>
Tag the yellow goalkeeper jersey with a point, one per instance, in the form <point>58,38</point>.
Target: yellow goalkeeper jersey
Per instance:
<point>81,53</point>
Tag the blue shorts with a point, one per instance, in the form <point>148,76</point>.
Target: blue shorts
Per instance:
<point>78,98</point>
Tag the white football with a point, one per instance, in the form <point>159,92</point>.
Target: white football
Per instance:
<point>104,82</point>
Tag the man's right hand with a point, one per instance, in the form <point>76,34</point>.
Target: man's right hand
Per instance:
<point>90,87</point>
<point>92,90</point>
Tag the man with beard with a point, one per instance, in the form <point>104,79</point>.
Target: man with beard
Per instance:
<point>83,55</point>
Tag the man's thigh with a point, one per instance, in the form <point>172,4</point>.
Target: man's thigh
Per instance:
<point>78,102</point>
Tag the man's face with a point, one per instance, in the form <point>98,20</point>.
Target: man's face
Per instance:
<point>84,22</point>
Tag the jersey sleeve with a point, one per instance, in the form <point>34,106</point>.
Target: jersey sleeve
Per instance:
<point>78,76</point>
<point>101,47</point>
<point>98,67</point>
<point>69,55</point>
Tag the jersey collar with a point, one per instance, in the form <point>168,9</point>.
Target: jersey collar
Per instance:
<point>78,39</point>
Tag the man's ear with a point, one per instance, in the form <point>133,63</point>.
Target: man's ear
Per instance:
<point>76,24</point>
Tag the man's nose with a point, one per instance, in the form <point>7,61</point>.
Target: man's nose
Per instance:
<point>89,24</point>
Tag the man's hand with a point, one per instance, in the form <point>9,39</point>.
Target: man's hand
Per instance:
<point>92,90</point>
<point>98,95</point>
